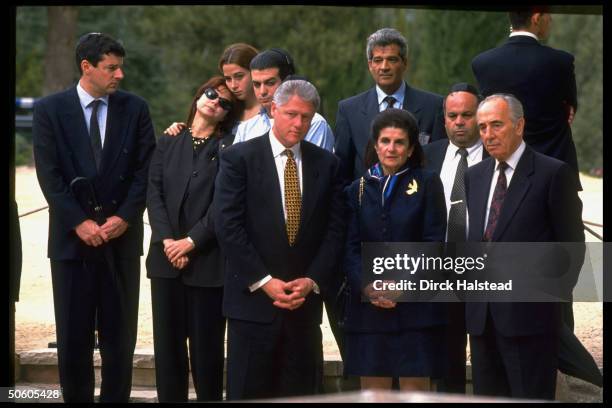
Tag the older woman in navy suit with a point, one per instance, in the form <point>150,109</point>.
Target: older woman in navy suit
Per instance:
<point>395,201</point>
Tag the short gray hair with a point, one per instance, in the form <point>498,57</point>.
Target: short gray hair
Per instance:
<point>384,37</point>
<point>304,89</point>
<point>515,106</point>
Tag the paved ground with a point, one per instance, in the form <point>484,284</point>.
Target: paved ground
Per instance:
<point>35,320</point>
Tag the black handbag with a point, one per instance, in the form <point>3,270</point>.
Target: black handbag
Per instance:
<point>342,301</point>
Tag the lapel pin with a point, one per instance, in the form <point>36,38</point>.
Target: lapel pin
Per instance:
<point>413,187</point>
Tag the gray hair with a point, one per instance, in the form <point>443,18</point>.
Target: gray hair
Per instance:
<point>514,105</point>
<point>384,37</point>
<point>304,89</point>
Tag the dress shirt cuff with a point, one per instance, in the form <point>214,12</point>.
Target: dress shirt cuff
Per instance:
<point>190,241</point>
<point>315,287</point>
<point>260,283</point>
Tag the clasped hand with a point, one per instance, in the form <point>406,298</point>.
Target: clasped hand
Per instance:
<point>288,295</point>
<point>176,251</point>
<point>385,299</point>
<point>95,235</point>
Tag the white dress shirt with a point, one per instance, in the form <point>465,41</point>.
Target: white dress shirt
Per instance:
<point>512,162</point>
<point>280,160</point>
<point>85,100</point>
<point>449,169</point>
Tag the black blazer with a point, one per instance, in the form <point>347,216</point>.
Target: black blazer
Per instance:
<point>541,205</point>
<point>251,228</point>
<point>62,151</point>
<point>543,79</point>
<point>354,123</point>
<point>435,153</point>
<point>175,180</point>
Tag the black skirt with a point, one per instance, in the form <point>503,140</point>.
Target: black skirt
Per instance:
<point>407,353</point>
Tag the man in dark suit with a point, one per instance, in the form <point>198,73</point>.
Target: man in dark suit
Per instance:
<point>387,61</point>
<point>279,221</point>
<point>517,195</point>
<point>96,132</point>
<point>450,158</point>
<point>542,78</point>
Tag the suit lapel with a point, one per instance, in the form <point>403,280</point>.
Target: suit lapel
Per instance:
<point>268,183</point>
<point>480,195</point>
<point>519,185</point>
<point>310,174</point>
<point>181,173</point>
<point>77,136</point>
<point>411,102</point>
<point>115,132</point>
<point>369,111</point>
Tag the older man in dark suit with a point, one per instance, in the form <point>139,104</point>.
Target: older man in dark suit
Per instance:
<point>517,195</point>
<point>95,132</point>
<point>387,54</point>
<point>542,78</point>
<point>279,221</point>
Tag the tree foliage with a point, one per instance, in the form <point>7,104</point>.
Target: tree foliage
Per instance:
<point>171,50</point>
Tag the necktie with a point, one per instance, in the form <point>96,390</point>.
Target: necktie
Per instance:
<point>456,216</point>
<point>496,203</point>
<point>293,200</point>
<point>390,101</point>
<point>94,133</point>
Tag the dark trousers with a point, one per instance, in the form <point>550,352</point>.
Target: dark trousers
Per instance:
<point>187,315</point>
<point>277,359</point>
<point>520,367</point>
<point>82,289</point>
<point>456,343</point>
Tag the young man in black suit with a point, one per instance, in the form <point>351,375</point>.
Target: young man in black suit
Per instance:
<point>278,206</point>
<point>387,54</point>
<point>450,158</point>
<point>542,78</point>
<point>517,195</point>
<point>94,131</point>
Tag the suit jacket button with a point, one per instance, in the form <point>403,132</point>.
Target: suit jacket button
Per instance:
<point>125,151</point>
<point>195,174</point>
<point>122,177</point>
<point>114,202</point>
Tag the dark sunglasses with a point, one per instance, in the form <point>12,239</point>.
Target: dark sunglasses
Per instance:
<point>212,95</point>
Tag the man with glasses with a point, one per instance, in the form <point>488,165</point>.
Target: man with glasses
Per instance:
<point>92,146</point>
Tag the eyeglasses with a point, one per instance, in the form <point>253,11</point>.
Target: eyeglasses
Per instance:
<point>212,95</point>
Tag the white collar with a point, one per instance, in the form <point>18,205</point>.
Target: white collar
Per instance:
<point>85,98</point>
<point>398,94</point>
<point>527,33</point>
<point>278,148</point>
<point>514,157</point>
<point>453,148</point>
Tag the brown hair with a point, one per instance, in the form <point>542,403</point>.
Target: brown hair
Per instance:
<point>230,119</point>
<point>240,54</point>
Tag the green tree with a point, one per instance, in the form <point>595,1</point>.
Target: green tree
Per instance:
<point>582,36</point>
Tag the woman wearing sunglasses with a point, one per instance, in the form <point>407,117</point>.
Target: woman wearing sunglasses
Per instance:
<point>234,66</point>
<point>184,262</point>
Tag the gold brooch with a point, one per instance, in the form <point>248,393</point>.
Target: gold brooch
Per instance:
<point>413,187</point>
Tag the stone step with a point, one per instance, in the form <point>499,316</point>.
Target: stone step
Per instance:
<point>40,367</point>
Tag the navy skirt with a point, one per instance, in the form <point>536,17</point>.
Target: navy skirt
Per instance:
<point>408,353</point>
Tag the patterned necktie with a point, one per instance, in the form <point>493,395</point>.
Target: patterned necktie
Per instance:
<point>94,133</point>
<point>293,199</point>
<point>390,101</point>
<point>456,216</point>
<point>496,203</point>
